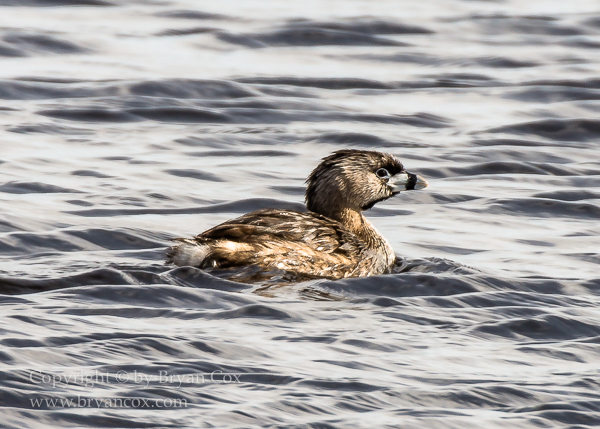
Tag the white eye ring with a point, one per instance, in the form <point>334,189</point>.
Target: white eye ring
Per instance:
<point>382,173</point>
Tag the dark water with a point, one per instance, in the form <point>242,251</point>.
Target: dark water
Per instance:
<point>126,123</point>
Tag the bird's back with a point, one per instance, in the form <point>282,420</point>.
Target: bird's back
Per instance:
<point>304,243</point>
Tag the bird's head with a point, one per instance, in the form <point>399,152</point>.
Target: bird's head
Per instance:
<point>357,180</point>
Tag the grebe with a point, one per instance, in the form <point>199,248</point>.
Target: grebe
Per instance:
<point>332,240</point>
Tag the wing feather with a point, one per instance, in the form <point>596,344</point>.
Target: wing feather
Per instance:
<point>279,226</point>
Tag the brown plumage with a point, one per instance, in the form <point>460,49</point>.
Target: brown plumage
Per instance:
<point>333,239</point>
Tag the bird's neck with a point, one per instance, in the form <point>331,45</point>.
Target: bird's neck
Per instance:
<point>361,227</point>
<point>353,219</point>
<point>364,230</point>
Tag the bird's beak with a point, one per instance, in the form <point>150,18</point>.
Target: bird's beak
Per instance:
<point>407,182</point>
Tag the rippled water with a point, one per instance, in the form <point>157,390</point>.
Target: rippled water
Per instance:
<point>125,124</point>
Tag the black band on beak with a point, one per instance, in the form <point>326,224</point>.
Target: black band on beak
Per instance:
<point>412,181</point>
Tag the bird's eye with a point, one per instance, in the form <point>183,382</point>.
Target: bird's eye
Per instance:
<point>382,173</point>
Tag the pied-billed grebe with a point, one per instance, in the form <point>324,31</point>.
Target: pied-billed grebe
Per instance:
<point>333,239</point>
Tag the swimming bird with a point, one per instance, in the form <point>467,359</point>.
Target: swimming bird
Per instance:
<point>332,240</point>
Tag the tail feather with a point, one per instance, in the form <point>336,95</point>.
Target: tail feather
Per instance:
<point>187,253</point>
